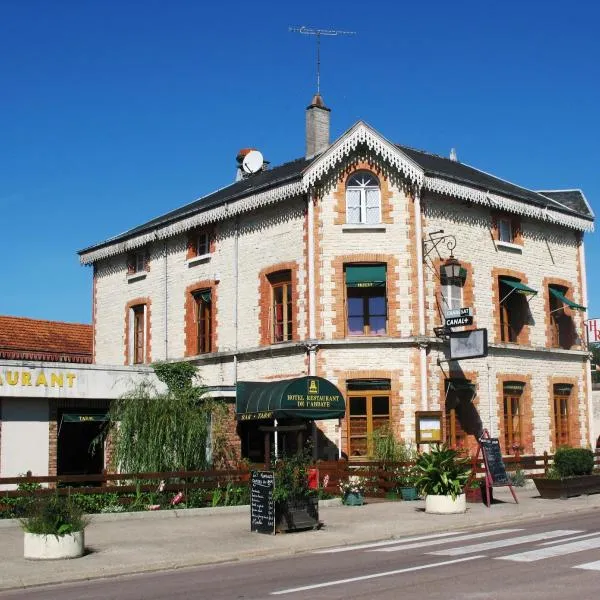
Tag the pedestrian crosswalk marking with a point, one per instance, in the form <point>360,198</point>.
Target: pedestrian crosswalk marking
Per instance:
<point>558,550</point>
<point>523,539</point>
<point>385,543</point>
<point>460,538</point>
<point>591,566</point>
<point>571,539</point>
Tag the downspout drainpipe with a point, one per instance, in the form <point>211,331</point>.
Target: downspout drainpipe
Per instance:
<point>312,347</point>
<point>235,297</point>
<point>490,399</point>
<point>584,298</point>
<point>166,305</point>
<point>421,299</point>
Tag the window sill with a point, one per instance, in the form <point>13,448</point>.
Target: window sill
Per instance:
<point>516,248</point>
<point>197,259</point>
<point>363,227</point>
<point>136,276</point>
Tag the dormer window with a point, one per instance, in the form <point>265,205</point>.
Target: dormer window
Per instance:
<point>363,199</point>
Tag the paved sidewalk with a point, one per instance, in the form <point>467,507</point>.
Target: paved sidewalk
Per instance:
<point>141,542</point>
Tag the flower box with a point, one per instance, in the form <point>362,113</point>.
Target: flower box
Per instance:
<point>567,487</point>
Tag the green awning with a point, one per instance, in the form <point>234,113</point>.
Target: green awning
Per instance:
<point>460,385</point>
<point>205,297</point>
<point>303,397</point>
<point>365,276</point>
<point>519,287</point>
<point>565,300</point>
<point>83,417</point>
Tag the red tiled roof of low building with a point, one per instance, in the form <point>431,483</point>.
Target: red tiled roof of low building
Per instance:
<point>35,339</point>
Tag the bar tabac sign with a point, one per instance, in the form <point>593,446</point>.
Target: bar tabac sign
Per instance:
<point>36,378</point>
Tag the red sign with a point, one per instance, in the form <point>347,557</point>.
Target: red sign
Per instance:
<point>313,479</point>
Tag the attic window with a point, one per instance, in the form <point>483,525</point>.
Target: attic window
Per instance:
<point>138,263</point>
<point>363,199</point>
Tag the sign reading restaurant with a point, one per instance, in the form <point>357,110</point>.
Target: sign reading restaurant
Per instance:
<point>37,378</point>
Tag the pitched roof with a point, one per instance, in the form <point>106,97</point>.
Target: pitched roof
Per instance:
<point>432,165</point>
<point>573,199</point>
<point>34,339</point>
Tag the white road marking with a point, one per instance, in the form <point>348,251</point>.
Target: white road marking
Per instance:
<point>593,566</point>
<point>524,539</point>
<point>571,539</point>
<point>386,543</point>
<point>552,551</point>
<point>315,586</point>
<point>460,538</point>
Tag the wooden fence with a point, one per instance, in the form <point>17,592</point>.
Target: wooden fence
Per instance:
<point>380,478</point>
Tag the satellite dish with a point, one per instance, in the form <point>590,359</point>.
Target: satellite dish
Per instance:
<point>253,162</point>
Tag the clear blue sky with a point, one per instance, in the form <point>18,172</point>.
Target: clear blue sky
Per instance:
<point>114,112</point>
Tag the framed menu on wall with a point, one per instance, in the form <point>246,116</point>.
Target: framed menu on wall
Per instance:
<point>428,426</point>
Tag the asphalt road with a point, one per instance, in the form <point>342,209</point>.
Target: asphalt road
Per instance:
<point>546,559</point>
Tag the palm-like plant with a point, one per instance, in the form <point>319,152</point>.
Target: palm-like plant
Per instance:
<point>441,472</point>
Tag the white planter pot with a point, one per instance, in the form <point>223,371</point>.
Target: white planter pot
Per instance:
<point>38,546</point>
<point>444,505</point>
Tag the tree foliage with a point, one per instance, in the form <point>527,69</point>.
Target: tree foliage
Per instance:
<point>157,431</point>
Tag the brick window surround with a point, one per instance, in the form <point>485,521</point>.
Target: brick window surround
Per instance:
<point>523,337</point>
<point>574,425</point>
<point>515,225</point>
<point>339,290</point>
<point>525,409</point>
<point>192,242</point>
<point>147,304</point>
<point>469,441</point>
<point>568,312</point>
<point>339,194</point>
<point>397,411</point>
<point>190,324</point>
<point>265,301</point>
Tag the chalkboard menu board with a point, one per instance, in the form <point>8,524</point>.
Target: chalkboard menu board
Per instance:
<point>262,505</point>
<point>493,460</point>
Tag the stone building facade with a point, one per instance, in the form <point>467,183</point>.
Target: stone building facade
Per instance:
<point>333,266</point>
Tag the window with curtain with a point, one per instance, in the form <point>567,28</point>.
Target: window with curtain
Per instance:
<point>368,410</point>
<point>203,302</point>
<point>281,306</point>
<point>363,199</point>
<point>366,305</point>
<point>512,415</point>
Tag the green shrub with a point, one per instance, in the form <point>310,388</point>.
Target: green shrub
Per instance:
<point>388,449</point>
<point>54,515</point>
<point>570,462</point>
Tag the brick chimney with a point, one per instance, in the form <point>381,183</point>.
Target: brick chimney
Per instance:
<point>317,126</point>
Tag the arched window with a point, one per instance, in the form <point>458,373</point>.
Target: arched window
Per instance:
<point>363,199</point>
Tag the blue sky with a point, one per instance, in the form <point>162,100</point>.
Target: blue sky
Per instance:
<point>112,113</point>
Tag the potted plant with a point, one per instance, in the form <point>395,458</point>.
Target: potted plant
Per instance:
<point>353,490</point>
<point>405,482</point>
<point>296,505</point>
<point>570,475</point>
<point>441,476</point>
<point>54,528</point>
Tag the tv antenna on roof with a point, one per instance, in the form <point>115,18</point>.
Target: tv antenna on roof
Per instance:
<point>318,33</point>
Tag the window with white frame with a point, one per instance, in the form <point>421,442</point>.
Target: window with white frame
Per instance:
<point>363,199</point>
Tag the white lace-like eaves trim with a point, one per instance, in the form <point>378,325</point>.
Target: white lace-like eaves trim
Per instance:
<point>219,213</point>
<point>456,190</point>
<point>362,134</point>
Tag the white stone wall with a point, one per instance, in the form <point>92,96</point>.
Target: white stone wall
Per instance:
<point>547,251</point>
<point>24,442</point>
<point>268,237</point>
